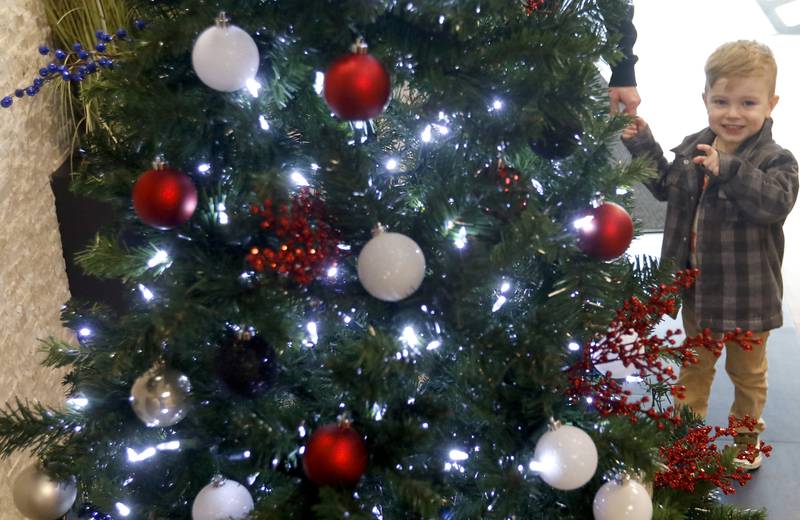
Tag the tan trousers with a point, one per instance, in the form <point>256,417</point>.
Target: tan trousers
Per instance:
<point>747,370</point>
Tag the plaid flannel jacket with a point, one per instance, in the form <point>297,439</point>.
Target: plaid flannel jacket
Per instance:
<point>739,225</point>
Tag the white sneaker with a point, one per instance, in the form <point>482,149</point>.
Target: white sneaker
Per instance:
<point>746,465</point>
<point>743,441</point>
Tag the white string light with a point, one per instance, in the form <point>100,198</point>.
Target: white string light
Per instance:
<point>319,82</point>
<point>160,257</point>
<point>298,179</point>
<point>254,87</point>
<point>147,294</point>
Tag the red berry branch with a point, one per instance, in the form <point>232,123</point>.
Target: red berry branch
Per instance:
<point>630,341</point>
<point>507,176</point>
<point>533,5</point>
<point>509,182</point>
<point>695,458</point>
<point>299,241</point>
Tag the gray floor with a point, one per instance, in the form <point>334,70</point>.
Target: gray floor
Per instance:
<point>776,485</point>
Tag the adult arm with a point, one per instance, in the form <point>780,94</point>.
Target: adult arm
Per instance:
<point>623,73</point>
<point>622,86</point>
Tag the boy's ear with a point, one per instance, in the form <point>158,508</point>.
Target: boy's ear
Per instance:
<point>772,102</point>
<point>705,98</point>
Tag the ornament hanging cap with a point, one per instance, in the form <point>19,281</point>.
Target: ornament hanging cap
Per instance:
<point>159,163</point>
<point>218,481</point>
<point>378,229</point>
<point>344,421</point>
<point>222,20</point>
<point>360,46</point>
<point>626,476</point>
<point>554,425</point>
<point>245,334</point>
<point>598,200</point>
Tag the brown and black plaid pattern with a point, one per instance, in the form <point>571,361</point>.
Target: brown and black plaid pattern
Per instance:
<point>739,225</point>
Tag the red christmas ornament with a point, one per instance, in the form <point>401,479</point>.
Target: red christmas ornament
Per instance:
<point>164,198</point>
<point>335,456</point>
<point>605,232</point>
<point>357,85</point>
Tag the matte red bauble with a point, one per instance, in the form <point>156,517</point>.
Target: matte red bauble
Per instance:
<point>605,232</point>
<point>357,86</point>
<point>335,456</point>
<point>164,198</point>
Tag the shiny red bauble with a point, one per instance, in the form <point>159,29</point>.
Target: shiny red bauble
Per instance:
<point>605,232</point>
<point>335,456</point>
<point>164,198</point>
<point>356,87</point>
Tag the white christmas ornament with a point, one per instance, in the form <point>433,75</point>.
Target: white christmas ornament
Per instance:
<point>565,457</point>
<point>39,497</point>
<point>618,369</point>
<point>391,266</point>
<point>225,57</point>
<point>222,500</point>
<point>625,500</point>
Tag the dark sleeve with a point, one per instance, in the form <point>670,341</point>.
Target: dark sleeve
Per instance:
<point>764,194</point>
<point>622,73</point>
<point>643,145</point>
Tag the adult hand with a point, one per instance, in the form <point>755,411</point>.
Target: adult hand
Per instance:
<point>710,160</point>
<point>628,96</point>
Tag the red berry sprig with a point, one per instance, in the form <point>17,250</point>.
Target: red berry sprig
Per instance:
<point>533,5</point>
<point>637,319</point>
<point>510,182</point>
<point>695,458</point>
<point>507,176</point>
<point>301,243</point>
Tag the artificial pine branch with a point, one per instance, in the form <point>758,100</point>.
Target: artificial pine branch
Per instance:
<point>34,427</point>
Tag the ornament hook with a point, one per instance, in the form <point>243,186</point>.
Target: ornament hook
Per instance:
<point>378,229</point>
<point>159,162</point>
<point>222,20</point>
<point>360,46</point>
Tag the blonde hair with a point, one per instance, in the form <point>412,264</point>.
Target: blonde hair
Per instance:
<point>742,58</point>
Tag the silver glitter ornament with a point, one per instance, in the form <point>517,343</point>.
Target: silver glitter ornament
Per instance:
<point>39,497</point>
<point>160,396</point>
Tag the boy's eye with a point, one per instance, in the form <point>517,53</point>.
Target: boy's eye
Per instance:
<point>719,102</point>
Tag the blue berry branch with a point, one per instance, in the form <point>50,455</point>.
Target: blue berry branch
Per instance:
<point>75,65</point>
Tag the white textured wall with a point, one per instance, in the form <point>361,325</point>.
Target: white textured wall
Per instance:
<point>33,282</point>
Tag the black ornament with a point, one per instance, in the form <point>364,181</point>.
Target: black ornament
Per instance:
<point>247,364</point>
<point>558,141</point>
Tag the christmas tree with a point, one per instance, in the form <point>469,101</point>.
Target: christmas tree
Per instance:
<point>374,259</point>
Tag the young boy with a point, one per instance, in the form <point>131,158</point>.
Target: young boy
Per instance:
<point>728,192</point>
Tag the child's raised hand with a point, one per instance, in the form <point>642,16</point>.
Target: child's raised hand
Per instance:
<point>633,129</point>
<point>710,160</point>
